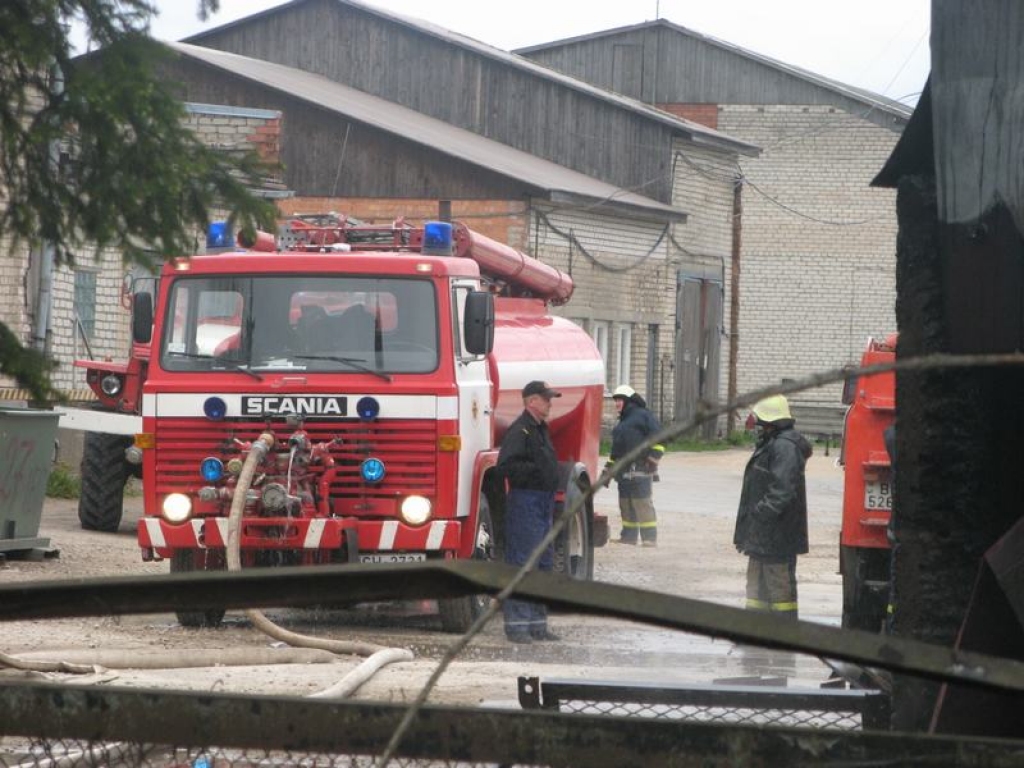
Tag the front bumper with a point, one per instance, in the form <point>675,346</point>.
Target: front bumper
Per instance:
<point>317,533</point>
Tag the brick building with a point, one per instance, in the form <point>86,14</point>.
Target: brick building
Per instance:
<point>817,262</point>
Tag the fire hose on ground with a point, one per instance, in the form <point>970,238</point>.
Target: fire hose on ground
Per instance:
<point>306,648</point>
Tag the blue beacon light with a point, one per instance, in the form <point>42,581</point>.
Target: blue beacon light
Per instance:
<point>215,408</point>
<point>368,408</point>
<point>218,235</point>
<point>212,469</point>
<point>437,238</point>
<point>372,470</point>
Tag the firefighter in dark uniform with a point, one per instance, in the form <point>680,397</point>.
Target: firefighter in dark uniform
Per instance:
<point>528,462</point>
<point>771,524</point>
<point>636,503</point>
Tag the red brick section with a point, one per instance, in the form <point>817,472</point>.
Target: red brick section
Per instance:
<point>501,220</point>
<point>266,140</point>
<point>705,114</point>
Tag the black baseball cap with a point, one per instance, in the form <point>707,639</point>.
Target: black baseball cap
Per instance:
<point>540,388</point>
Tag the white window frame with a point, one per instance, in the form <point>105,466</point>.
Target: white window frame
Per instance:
<point>600,332</point>
<point>623,353</point>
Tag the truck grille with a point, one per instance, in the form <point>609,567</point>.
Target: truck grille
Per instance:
<point>407,447</point>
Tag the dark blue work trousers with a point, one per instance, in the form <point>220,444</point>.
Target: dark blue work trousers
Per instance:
<point>527,521</point>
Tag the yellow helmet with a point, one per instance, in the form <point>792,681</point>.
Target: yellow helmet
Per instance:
<point>624,391</point>
<point>772,409</point>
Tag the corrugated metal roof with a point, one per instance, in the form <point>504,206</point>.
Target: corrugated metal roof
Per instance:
<point>694,131</point>
<point>874,100</point>
<point>558,182</point>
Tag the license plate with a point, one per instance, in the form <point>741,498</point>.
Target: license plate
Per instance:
<point>394,557</point>
<point>878,496</point>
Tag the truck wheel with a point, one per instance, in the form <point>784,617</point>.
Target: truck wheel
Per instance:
<point>865,588</point>
<point>574,547</point>
<point>459,613</point>
<point>104,473</point>
<point>188,560</point>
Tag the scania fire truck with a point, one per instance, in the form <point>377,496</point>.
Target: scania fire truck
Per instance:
<point>386,363</point>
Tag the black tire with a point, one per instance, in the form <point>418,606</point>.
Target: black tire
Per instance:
<point>865,588</point>
<point>104,473</point>
<point>574,547</point>
<point>188,560</point>
<point>459,613</point>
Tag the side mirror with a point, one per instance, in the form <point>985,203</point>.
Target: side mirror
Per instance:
<point>849,389</point>
<point>142,318</point>
<point>478,326</point>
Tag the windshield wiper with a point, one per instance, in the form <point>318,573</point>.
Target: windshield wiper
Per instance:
<point>359,363</point>
<point>220,364</point>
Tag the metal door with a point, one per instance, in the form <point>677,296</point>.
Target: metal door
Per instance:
<point>698,348</point>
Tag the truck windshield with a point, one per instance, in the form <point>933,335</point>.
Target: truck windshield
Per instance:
<point>320,323</point>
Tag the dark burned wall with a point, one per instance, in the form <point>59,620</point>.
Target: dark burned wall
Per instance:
<point>461,87</point>
<point>375,164</point>
<point>960,479</point>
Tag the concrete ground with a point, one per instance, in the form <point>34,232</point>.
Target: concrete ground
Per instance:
<point>696,502</point>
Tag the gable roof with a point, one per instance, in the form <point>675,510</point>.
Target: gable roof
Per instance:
<point>695,132</point>
<point>868,98</point>
<point>560,184</point>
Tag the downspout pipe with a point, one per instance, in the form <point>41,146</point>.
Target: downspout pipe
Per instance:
<point>734,297</point>
<point>47,251</point>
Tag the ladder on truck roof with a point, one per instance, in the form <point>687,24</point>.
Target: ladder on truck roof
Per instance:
<point>518,274</point>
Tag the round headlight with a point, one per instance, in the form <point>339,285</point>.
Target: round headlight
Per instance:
<point>372,470</point>
<point>111,384</point>
<point>177,507</point>
<point>212,469</point>
<point>416,510</point>
<point>215,408</point>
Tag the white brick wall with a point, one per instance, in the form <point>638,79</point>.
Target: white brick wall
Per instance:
<point>812,292</point>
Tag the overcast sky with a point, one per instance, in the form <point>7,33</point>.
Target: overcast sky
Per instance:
<point>881,45</point>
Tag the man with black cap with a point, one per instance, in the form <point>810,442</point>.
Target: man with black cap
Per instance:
<point>528,462</point>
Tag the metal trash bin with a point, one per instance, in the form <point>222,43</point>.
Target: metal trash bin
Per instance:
<point>26,458</point>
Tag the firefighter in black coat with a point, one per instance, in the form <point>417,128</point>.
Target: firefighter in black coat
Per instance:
<point>771,524</point>
<point>636,498</point>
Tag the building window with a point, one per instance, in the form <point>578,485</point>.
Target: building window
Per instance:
<point>85,301</point>
<point>599,331</point>
<point>623,353</point>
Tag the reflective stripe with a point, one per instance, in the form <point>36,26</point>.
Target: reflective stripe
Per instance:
<point>757,605</point>
<point>647,525</point>
<point>156,534</point>
<point>436,535</point>
<point>388,531</point>
<point>630,524</point>
<point>890,609</point>
<point>784,607</point>
<point>222,528</point>
<point>314,533</point>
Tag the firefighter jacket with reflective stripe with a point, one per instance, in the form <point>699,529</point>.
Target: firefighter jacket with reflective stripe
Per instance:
<point>527,457</point>
<point>636,424</point>
<point>772,519</point>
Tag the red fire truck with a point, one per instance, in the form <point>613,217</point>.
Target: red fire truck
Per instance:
<point>867,491</point>
<point>386,362</point>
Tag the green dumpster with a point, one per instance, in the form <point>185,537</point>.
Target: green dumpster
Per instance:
<point>26,455</point>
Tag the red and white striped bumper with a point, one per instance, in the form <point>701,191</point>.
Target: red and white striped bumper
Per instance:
<point>299,533</point>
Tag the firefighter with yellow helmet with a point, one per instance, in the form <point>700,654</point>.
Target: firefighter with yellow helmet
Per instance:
<point>636,424</point>
<point>771,523</point>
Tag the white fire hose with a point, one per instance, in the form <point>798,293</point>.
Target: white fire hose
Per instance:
<point>378,655</point>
